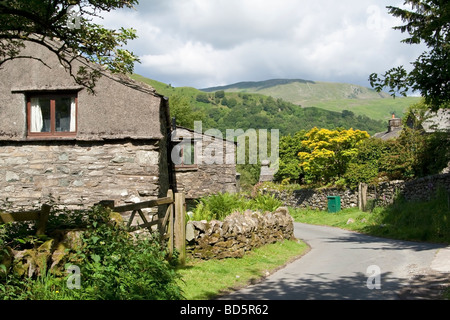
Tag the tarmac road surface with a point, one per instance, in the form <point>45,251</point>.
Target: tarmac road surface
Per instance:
<point>343,265</point>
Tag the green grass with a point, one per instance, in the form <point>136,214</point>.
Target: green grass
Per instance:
<point>339,220</point>
<point>377,109</point>
<point>426,221</point>
<point>207,279</point>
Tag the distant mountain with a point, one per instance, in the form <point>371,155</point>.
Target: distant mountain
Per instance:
<point>302,92</point>
<point>255,85</point>
<point>243,110</point>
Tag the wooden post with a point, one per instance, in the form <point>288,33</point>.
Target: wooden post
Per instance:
<point>43,219</point>
<point>170,212</point>
<point>362,196</point>
<point>180,226</point>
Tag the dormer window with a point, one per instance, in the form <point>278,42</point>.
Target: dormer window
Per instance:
<point>52,115</point>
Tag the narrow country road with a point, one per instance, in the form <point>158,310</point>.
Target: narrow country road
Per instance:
<point>337,268</point>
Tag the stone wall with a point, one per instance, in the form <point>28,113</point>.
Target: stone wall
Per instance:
<point>214,170</point>
<point>384,194</point>
<point>81,172</point>
<point>238,233</point>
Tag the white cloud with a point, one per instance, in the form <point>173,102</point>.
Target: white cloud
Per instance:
<point>203,43</point>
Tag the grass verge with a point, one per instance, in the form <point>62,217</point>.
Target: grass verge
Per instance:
<point>203,280</point>
<point>425,221</point>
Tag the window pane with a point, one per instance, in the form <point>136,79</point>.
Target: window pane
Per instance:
<point>40,115</point>
<point>65,115</point>
<point>189,153</point>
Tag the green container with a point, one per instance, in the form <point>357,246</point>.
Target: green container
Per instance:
<point>334,204</point>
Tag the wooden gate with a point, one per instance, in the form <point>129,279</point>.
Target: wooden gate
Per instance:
<point>170,226</point>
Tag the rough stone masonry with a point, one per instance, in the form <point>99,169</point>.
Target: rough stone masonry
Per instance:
<point>238,233</point>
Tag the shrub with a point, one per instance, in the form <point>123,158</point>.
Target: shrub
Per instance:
<point>118,266</point>
<point>114,265</point>
<point>219,206</point>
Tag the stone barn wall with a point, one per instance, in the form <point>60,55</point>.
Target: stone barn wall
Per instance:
<point>81,172</point>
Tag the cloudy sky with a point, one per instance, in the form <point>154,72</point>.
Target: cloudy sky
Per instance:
<point>204,43</point>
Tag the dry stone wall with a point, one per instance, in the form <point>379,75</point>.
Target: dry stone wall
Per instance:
<point>384,194</point>
<point>238,233</point>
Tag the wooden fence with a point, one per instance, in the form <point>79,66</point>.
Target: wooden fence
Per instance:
<point>41,216</point>
<point>171,226</point>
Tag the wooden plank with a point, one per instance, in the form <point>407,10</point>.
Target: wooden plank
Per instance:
<point>131,219</point>
<point>169,212</point>
<point>145,225</point>
<point>143,205</point>
<point>19,216</point>
<point>169,215</point>
<point>180,226</point>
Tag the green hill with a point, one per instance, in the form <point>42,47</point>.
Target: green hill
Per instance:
<point>299,91</point>
<point>326,95</point>
<point>243,110</point>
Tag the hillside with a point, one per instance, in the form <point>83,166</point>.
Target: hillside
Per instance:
<point>326,95</point>
<point>239,110</point>
<point>299,91</point>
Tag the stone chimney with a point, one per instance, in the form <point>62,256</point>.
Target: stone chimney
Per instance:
<point>395,124</point>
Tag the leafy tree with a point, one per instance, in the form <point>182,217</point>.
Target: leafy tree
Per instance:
<point>290,147</point>
<point>181,109</point>
<point>203,97</point>
<point>219,94</point>
<point>365,166</point>
<point>402,157</point>
<point>65,28</point>
<point>428,22</point>
<point>329,152</point>
<point>416,154</point>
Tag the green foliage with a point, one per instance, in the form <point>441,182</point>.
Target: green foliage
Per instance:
<point>202,97</point>
<point>413,155</point>
<point>219,206</point>
<point>181,109</point>
<point>255,111</point>
<point>290,147</point>
<point>406,220</point>
<point>417,220</point>
<point>329,152</point>
<point>357,173</point>
<point>114,266</point>
<point>79,38</point>
<point>427,23</point>
<point>365,167</point>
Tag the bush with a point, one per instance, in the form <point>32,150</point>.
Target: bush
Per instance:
<point>219,206</point>
<point>114,265</point>
<point>418,220</point>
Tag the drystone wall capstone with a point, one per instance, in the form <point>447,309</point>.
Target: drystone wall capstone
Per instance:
<point>238,233</point>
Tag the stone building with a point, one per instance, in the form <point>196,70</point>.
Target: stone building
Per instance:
<point>206,163</point>
<point>58,140</point>
<point>394,130</point>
